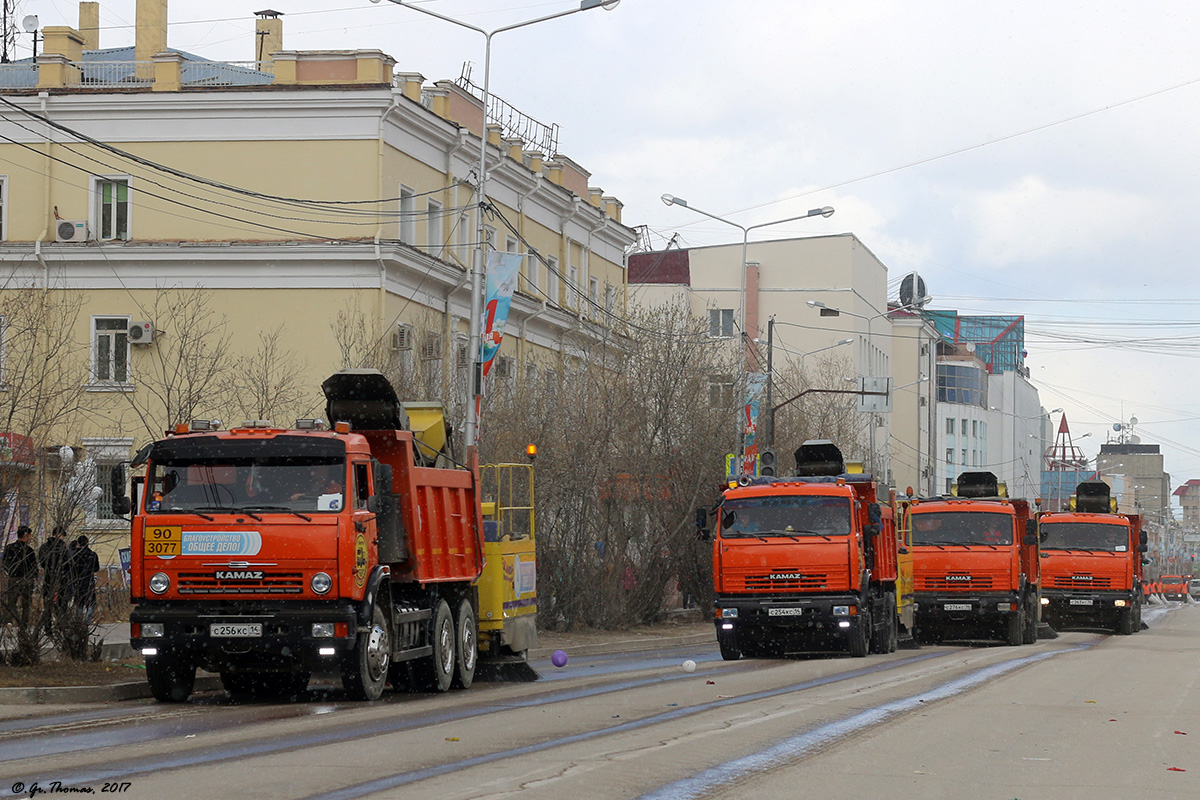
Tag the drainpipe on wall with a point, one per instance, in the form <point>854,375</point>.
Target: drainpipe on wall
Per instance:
<point>37,245</point>
<point>522,354</point>
<point>379,228</point>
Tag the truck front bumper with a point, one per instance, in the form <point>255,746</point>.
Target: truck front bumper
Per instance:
<point>246,636</point>
<point>1084,603</point>
<point>788,614</point>
<point>947,607</point>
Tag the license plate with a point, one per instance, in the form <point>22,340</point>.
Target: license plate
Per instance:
<point>225,630</point>
<point>957,606</point>
<point>1075,602</point>
<point>785,612</point>
<point>162,540</point>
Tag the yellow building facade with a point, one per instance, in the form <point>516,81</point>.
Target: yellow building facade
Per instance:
<point>320,200</point>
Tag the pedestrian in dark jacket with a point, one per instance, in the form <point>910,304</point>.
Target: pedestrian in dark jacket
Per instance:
<point>54,556</point>
<point>84,565</point>
<point>21,567</point>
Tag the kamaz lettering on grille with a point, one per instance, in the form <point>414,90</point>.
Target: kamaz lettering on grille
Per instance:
<point>238,575</point>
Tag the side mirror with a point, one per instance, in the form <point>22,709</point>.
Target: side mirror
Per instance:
<point>116,481</point>
<point>702,524</point>
<point>1143,538</point>
<point>374,504</point>
<point>1143,548</point>
<point>874,514</point>
<point>871,530</point>
<point>1030,539</point>
<point>121,506</point>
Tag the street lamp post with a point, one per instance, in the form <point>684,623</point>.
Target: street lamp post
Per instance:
<point>477,262</point>
<point>746,338</point>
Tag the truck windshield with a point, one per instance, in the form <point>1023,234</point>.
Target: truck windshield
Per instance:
<point>1084,536</point>
<point>270,484</point>
<point>961,527</point>
<point>791,515</point>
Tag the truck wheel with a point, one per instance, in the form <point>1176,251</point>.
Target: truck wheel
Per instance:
<point>1015,628</point>
<point>1031,621</point>
<point>435,672</point>
<point>860,635</point>
<point>883,638</point>
<point>1125,620</point>
<point>365,668</point>
<point>727,641</point>
<point>466,628</point>
<point>171,678</point>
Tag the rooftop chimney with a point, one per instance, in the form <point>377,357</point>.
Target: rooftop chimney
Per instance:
<point>268,38</point>
<point>151,34</point>
<point>89,24</point>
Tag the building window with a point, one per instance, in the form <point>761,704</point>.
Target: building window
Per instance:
<point>552,280</point>
<point>108,455</point>
<point>720,322</point>
<point>3,348</point>
<point>110,349</point>
<point>610,299</point>
<point>949,456</point>
<point>112,208</point>
<point>594,295</point>
<point>434,235</point>
<point>408,215</point>
<point>573,286</point>
<point>3,207</point>
<point>720,391</point>
<point>974,458</point>
<point>950,425</point>
<point>959,383</point>
<point>949,488</point>
<point>464,238</point>
<point>975,428</point>
<point>533,270</point>
<point>964,427</point>
<point>964,456</point>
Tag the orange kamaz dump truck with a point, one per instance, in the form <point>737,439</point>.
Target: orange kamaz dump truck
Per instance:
<point>266,554</point>
<point>975,563</point>
<point>1092,563</point>
<point>809,562</point>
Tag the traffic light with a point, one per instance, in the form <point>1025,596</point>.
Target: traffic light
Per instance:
<point>766,463</point>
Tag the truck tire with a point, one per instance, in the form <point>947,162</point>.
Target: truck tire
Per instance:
<point>365,668</point>
<point>1031,620</point>
<point>860,634</point>
<point>727,642</point>
<point>1125,621</point>
<point>466,630</point>
<point>1015,627</point>
<point>885,636</point>
<point>171,678</point>
<point>435,673</point>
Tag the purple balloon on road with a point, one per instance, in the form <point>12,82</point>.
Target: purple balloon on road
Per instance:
<point>559,659</point>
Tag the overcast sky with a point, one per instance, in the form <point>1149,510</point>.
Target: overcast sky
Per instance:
<point>1026,158</point>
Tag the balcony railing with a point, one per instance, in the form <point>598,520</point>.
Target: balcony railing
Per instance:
<point>138,74</point>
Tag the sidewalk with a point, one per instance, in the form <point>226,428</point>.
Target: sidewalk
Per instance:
<point>576,643</point>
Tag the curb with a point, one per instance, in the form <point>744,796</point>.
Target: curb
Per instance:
<point>51,695</point>
<point>626,645</point>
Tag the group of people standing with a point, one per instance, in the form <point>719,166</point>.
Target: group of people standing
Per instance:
<point>68,575</point>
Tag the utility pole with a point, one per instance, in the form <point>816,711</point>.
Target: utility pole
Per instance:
<point>769,417</point>
<point>8,30</point>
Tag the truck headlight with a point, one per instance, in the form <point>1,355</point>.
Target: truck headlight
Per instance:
<point>321,583</point>
<point>841,611</point>
<point>159,582</point>
<point>728,613</point>
<point>322,630</point>
<point>152,630</point>
<point>1119,603</point>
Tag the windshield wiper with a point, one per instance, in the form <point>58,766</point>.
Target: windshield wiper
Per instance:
<point>794,534</point>
<point>186,511</point>
<point>230,510</point>
<point>284,509</point>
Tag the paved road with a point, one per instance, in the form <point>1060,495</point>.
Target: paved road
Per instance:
<point>1083,715</point>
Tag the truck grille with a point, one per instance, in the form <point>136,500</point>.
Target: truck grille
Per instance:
<point>270,583</point>
<point>930,583</point>
<point>1081,582</point>
<point>757,583</point>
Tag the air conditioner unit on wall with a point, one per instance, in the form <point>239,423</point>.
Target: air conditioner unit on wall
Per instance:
<point>71,230</point>
<point>141,332</point>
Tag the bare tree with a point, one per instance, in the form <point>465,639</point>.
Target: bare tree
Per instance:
<point>186,370</point>
<point>268,383</point>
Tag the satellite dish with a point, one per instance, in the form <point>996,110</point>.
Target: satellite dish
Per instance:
<point>1135,440</point>
<point>912,291</point>
<point>30,23</point>
<point>970,347</point>
<point>1116,426</point>
<point>1133,420</point>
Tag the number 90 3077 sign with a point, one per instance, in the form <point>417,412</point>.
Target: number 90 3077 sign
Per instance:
<point>162,540</point>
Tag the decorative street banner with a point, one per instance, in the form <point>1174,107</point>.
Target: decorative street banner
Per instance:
<point>503,269</point>
<point>756,382</point>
